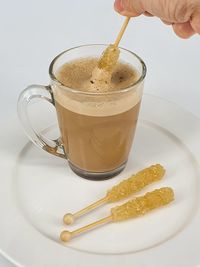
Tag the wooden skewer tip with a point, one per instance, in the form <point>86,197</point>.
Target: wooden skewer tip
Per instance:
<point>68,218</point>
<point>65,236</point>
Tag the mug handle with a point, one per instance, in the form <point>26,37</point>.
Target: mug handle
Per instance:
<point>38,92</point>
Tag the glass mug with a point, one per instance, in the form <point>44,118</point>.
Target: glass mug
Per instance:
<point>97,129</point>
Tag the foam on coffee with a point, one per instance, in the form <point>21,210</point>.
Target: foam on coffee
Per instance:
<point>77,75</point>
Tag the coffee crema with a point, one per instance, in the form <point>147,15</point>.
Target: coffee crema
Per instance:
<point>97,130</point>
<point>77,74</point>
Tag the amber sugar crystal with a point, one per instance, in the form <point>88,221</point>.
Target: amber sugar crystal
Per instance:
<point>141,205</point>
<point>135,183</point>
<point>109,58</point>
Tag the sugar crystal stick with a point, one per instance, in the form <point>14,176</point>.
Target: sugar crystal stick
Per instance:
<point>131,209</point>
<point>122,190</point>
<point>101,75</point>
<point>110,56</point>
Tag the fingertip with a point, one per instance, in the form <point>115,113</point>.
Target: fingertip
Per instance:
<point>124,8</point>
<point>128,14</point>
<point>118,6</point>
<point>183,30</point>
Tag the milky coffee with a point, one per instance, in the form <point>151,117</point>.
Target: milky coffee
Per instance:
<point>97,129</point>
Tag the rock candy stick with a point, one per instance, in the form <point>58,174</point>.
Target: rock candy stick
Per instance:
<point>101,75</point>
<point>110,56</point>
<point>122,190</point>
<point>131,209</point>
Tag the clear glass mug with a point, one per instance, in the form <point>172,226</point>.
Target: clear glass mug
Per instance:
<point>97,129</point>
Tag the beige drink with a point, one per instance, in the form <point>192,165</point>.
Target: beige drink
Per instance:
<point>97,109</point>
<point>95,138</point>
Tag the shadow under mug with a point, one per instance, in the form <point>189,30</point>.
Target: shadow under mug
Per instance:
<point>97,129</point>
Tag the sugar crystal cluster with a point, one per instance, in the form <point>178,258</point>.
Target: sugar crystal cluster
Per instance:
<point>109,58</point>
<point>141,205</point>
<point>135,183</point>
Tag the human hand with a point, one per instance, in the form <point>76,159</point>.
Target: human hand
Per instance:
<point>183,15</point>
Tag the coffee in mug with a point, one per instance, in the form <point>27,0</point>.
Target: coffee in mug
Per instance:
<point>97,121</point>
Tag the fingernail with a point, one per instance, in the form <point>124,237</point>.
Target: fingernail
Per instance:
<point>119,6</point>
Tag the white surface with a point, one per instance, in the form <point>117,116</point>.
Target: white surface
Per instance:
<point>37,189</point>
<point>32,33</point>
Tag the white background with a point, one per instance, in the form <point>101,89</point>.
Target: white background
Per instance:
<point>33,32</point>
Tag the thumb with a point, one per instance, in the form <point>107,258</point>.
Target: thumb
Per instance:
<point>130,8</point>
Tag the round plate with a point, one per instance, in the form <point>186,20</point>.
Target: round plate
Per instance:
<point>37,189</point>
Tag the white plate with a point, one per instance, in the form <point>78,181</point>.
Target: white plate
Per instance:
<point>37,189</point>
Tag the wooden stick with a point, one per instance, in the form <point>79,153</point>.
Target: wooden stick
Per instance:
<point>65,236</point>
<point>131,209</point>
<point>119,37</point>
<point>92,225</point>
<point>70,218</point>
<point>90,207</point>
